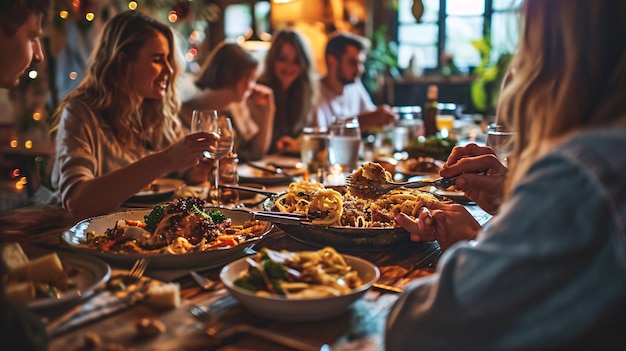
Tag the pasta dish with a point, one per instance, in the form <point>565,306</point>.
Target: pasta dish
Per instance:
<point>299,275</point>
<point>355,209</point>
<point>181,226</point>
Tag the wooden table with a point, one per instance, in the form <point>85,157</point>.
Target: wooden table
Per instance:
<point>361,328</point>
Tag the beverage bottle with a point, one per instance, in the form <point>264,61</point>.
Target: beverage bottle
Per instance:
<point>431,111</point>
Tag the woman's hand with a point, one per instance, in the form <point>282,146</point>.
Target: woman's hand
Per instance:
<point>187,152</point>
<point>448,223</point>
<point>466,162</point>
<point>287,144</point>
<point>261,95</point>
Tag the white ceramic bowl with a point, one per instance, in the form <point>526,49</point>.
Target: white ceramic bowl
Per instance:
<point>299,309</point>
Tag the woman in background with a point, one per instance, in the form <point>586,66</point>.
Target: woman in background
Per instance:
<point>549,270</point>
<point>227,83</point>
<point>290,72</point>
<point>118,130</point>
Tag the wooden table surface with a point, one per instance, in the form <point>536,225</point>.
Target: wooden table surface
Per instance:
<point>360,328</point>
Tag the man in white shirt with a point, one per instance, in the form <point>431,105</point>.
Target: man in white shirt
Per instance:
<point>342,94</point>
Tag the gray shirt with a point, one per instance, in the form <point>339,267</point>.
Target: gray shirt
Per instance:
<point>545,272</point>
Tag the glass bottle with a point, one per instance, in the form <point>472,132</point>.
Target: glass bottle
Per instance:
<point>431,111</point>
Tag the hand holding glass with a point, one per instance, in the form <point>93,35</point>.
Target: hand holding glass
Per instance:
<point>502,141</point>
<point>211,122</point>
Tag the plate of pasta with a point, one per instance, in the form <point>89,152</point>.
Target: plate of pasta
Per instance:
<point>183,233</point>
<point>351,221</point>
<point>299,286</point>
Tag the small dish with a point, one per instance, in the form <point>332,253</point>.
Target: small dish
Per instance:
<point>159,190</point>
<point>299,310</point>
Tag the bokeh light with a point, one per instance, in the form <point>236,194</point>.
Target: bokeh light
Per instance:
<point>28,144</point>
<point>172,16</point>
<point>132,5</point>
<point>90,16</point>
<point>64,14</point>
<point>13,143</point>
<point>32,74</point>
<point>36,116</point>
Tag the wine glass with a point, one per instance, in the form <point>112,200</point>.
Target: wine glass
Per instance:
<point>211,121</point>
<point>502,141</point>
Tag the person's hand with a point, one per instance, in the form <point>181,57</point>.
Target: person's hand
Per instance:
<point>466,162</point>
<point>261,95</point>
<point>187,152</point>
<point>382,116</point>
<point>287,144</point>
<point>448,223</point>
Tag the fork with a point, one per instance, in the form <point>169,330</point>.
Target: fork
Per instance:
<point>137,271</point>
<point>442,183</point>
<point>222,331</point>
<point>204,282</point>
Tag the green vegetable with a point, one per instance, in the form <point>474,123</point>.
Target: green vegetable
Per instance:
<point>154,217</point>
<point>274,270</point>
<point>217,216</point>
<point>197,210</point>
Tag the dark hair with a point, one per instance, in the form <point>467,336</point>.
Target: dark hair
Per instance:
<point>339,41</point>
<point>14,13</point>
<point>226,65</point>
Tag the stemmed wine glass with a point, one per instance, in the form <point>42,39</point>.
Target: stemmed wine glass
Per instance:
<point>211,121</point>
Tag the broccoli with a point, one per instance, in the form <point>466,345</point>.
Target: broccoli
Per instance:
<point>154,217</point>
<point>217,216</point>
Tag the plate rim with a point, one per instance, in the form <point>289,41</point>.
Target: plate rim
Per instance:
<point>76,295</point>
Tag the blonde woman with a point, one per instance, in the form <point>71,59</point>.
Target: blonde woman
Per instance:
<point>118,130</point>
<point>548,271</point>
<point>290,72</point>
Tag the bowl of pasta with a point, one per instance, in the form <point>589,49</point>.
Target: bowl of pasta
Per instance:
<point>183,233</point>
<point>350,222</point>
<point>299,286</point>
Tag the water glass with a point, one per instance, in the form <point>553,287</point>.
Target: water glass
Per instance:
<point>501,140</point>
<point>344,142</point>
<point>314,150</point>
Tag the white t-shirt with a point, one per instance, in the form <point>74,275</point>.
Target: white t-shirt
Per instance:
<point>353,101</point>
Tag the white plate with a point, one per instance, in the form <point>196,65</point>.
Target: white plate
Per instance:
<point>164,187</point>
<point>299,310</point>
<point>76,238</point>
<point>91,272</point>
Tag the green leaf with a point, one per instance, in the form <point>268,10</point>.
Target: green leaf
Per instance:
<point>479,95</point>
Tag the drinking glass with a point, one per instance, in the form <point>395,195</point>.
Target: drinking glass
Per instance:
<point>344,142</point>
<point>502,141</point>
<point>211,121</point>
<point>314,150</point>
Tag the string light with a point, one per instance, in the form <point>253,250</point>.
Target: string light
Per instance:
<point>36,116</point>
<point>16,173</point>
<point>28,144</point>
<point>63,14</point>
<point>132,5</point>
<point>32,74</point>
<point>13,143</point>
<point>19,186</point>
<point>90,16</point>
<point>172,16</point>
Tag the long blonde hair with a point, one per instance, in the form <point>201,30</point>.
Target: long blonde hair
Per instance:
<point>570,75</point>
<point>108,90</point>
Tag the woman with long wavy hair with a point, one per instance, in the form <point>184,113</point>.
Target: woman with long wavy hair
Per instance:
<point>118,130</point>
<point>548,272</point>
<point>290,71</point>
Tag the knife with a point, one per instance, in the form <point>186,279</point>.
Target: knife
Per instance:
<point>250,189</point>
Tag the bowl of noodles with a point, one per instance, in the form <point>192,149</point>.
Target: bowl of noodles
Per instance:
<point>299,286</point>
<point>351,221</point>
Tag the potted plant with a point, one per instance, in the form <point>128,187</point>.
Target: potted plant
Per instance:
<point>488,76</point>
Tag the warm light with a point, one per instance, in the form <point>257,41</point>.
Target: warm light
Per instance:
<point>73,75</point>
<point>28,144</point>
<point>172,16</point>
<point>193,51</point>
<point>23,180</point>
<point>282,1</point>
<point>32,74</point>
<point>13,143</point>
<point>76,4</point>
<point>132,5</point>
<point>64,14</point>
<point>193,37</point>
<point>19,186</point>
<point>16,173</point>
<point>36,116</point>
<point>189,57</point>
<point>90,16</point>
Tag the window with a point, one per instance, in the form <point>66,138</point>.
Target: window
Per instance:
<point>449,26</point>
